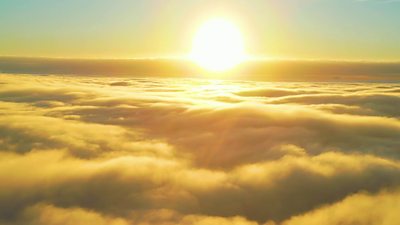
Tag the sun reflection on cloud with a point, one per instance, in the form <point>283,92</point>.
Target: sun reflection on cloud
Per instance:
<point>155,146</point>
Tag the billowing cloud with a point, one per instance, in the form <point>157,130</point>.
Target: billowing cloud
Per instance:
<point>360,208</point>
<point>87,150</point>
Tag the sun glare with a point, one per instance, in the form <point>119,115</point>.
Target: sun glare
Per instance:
<point>218,45</point>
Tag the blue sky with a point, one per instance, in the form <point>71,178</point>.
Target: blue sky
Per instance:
<point>317,29</point>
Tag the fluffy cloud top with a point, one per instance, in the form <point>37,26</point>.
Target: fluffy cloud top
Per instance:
<point>78,150</point>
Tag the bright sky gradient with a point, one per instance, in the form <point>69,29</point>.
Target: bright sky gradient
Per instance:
<point>317,29</point>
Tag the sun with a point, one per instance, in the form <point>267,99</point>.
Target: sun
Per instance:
<point>218,45</point>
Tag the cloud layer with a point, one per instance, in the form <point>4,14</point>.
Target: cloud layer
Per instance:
<point>262,70</point>
<point>79,150</point>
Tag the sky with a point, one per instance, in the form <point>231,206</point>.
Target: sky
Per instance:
<point>299,29</point>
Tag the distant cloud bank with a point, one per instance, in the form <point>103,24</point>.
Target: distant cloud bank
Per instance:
<point>265,70</point>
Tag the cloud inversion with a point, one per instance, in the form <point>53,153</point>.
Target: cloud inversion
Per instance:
<point>97,150</point>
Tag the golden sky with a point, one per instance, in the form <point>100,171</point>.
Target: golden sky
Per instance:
<point>311,29</point>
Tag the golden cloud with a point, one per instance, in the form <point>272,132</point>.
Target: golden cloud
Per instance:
<point>76,150</point>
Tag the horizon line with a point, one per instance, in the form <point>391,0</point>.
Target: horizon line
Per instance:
<point>182,58</point>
